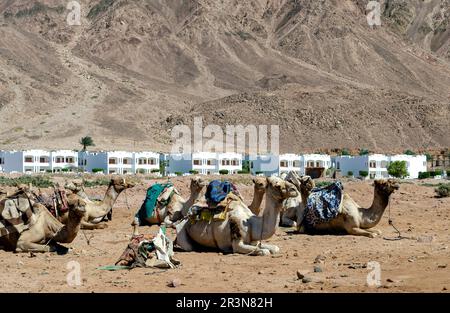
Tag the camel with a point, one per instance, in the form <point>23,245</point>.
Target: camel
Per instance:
<point>258,194</point>
<point>96,211</point>
<point>241,230</point>
<point>294,207</point>
<point>177,207</point>
<point>356,220</point>
<point>44,231</point>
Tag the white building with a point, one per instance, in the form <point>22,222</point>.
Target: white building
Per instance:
<point>206,163</point>
<point>38,161</point>
<point>377,164</point>
<point>314,165</point>
<point>119,162</point>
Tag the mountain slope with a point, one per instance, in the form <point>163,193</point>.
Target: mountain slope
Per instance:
<point>134,69</point>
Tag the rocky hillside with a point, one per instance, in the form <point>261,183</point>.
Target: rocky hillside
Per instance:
<point>134,69</point>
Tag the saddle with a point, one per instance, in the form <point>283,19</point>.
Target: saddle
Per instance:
<point>204,211</point>
<point>158,196</point>
<point>323,205</point>
<point>56,203</point>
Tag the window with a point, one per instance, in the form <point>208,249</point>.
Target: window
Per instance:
<point>284,163</point>
<point>296,164</point>
<point>29,159</point>
<point>197,162</point>
<point>372,175</point>
<point>373,164</point>
<point>43,160</point>
<point>210,162</point>
<point>112,161</point>
<point>310,164</point>
<point>317,163</point>
<point>338,165</point>
<point>235,162</point>
<point>126,161</point>
<point>152,161</point>
<point>69,160</point>
<point>2,161</point>
<point>112,171</point>
<point>384,164</point>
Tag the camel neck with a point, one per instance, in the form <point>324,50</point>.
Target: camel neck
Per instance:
<point>194,197</point>
<point>372,215</point>
<point>270,218</point>
<point>111,196</point>
<point>69,231</point>
<point>255,206</point>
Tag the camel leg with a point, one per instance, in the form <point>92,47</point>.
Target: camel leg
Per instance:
<point>361,232</point>
<point>240,247</point>
<point>287,222</point>
<point>26,246</point>
<point>272,248</point>
<point>87,225</point>
<point>375,231</point>
<point>183,240</point>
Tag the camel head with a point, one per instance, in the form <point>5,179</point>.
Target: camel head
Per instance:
<point>197,184</point>
<point>387,187</point>
<point>120,184</point>
<point>77,205</point>
<point>281,189</point>
<point>306,183</point>
<point>260,183</point>
<point>74,186</point>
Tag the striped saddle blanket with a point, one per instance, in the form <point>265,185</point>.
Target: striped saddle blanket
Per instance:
<point>16,214</point>
<point>323,205</point>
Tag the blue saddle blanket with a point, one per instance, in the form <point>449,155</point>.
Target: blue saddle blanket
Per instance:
<point>217,191</point>
<point>323,205</point>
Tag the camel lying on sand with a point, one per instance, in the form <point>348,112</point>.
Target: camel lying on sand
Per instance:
<point>44,231</point>
<point>354,219</point>
<point>241,230</point>
<point>97,210</point>
<point>177,207</point>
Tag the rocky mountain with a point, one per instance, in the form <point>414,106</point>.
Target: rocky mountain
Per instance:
<point>134,69</point>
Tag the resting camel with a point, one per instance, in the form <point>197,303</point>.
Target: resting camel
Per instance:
<point>241,230</point>
<point>258,194</point>
<point>177,207</point>
<point>97,210</point>
<point>294,207</point>
<point>45,231</point>
<point>356,220</point>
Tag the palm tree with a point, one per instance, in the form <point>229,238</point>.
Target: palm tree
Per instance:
<point>86,142</point>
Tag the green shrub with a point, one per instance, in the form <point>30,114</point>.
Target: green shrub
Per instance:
<point>398,169</point>
<point>448,173</point>
<point>424,175</point>
<point>48,171</point>
<point>345,152</point>
<point>141,171</point>
<point>243,172</point>
<point>37,181</point>
<point>98,170</point>
<point>350,173</point>
<point>443,190</point>
<point>438,172</point>
<point>100,7</point>
<point>66,169</point>
<point>193,172</point>
<point>364,151</point>
<point>178,173</point>
<point>155,170</point>
<point>223,172</point>
<point>323,184</point>
<point>363,173</point>
<point>409,152</point>
<point>432,173</point>
<point>258,172</point>
<point>97,182</point>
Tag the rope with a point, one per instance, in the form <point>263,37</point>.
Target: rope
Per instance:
<point>390,221</point>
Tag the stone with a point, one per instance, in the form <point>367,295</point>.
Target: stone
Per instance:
<point>174,283</point>
<point>320,259</point>
<point>425,239</point>
<point>306,280</point>
<point>317,269</point>
<point>301,273</point>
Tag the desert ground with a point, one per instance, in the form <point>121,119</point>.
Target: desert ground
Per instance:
<point>418,263</point>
